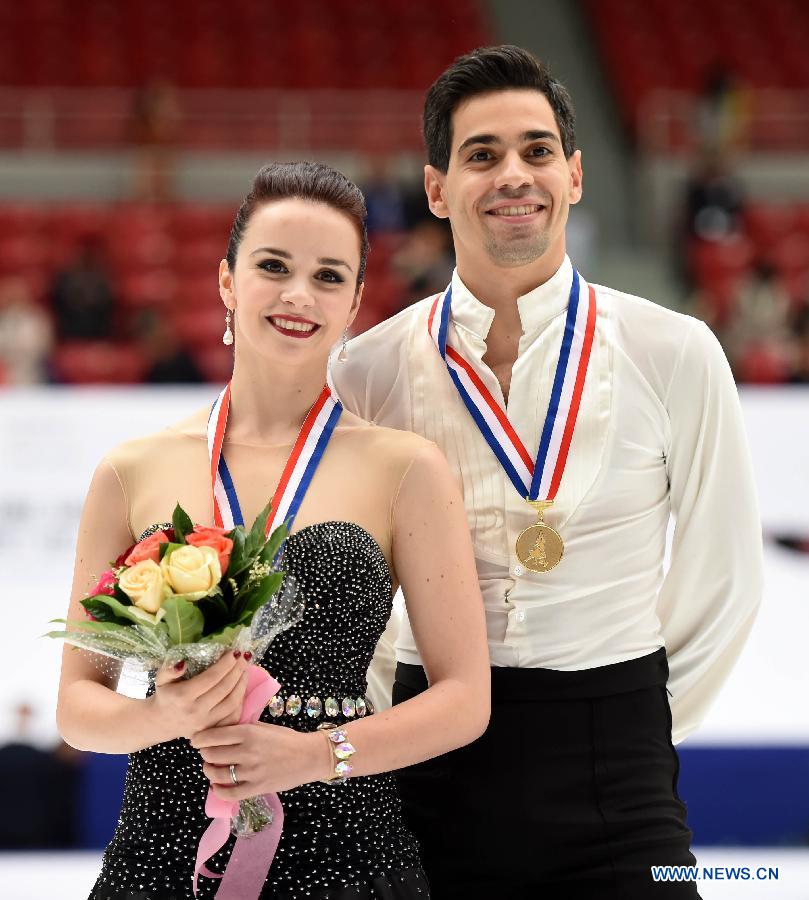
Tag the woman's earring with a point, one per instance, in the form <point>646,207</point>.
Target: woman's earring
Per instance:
<point>343,355</point>
<point>227,337</point>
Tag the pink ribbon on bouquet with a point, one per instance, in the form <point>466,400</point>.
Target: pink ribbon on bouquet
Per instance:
<point>252,856</point>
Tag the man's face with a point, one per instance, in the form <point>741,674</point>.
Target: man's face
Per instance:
<point>508,188</point>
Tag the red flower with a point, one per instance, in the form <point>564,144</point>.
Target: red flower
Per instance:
<point>148,548</point>
<point>121,560</point>
<point>106,584</point>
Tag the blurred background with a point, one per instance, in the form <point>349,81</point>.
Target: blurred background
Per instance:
<point>130,130</point>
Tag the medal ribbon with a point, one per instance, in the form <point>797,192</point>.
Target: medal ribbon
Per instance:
<point>298,472</point>
<point>251,858</point>
<point>540,478</point>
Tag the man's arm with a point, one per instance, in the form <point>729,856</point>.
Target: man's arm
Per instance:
<point>712,590</point>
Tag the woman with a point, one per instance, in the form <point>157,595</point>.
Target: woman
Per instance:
<point>382,511</point>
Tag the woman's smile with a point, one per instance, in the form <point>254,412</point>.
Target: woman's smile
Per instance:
<point>293,326</point>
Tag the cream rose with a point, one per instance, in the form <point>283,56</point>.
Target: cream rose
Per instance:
<point>145,586</point>
<point>192,571</point>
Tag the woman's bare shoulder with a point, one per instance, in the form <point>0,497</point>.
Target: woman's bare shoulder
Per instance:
<point>382,442</point>
<point>158,445</point>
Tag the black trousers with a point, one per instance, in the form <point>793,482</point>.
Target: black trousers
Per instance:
<point>571,794</point>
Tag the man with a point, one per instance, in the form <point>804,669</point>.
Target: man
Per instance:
<point>537,385</point>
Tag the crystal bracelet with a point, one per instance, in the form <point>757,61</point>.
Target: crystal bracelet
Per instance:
<point>342,750</point>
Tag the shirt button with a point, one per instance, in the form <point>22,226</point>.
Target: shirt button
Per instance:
<point>520,616</point>
<point>498,518</point>
<point>518,571</point>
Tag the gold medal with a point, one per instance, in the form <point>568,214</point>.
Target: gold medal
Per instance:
<point>540,547</point>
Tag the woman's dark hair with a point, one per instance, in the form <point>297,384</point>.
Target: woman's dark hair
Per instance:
<point>482,71</point>
<point>304,181</point>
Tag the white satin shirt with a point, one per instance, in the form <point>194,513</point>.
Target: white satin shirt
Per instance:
<point>659,434</point>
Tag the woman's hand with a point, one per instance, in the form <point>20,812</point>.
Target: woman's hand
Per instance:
<point>268,758</point>
<point>181,708</point>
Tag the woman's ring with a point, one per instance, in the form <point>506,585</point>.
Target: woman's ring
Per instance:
<point>233,777</point>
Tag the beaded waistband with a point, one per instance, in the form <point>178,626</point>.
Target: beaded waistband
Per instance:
<point>315,707</point>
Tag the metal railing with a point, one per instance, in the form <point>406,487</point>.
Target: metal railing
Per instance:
<point>381,121</point>
<point>774,121</point>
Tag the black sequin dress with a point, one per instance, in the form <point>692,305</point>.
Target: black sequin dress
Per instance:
<point>341,842</point>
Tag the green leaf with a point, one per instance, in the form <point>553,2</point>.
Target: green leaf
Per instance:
<point>213,604</point>
<point>273,545</point>
<point>237,553</point>
<point>129,612</point>
<point>216,613</point>
<point>120,596</point>
<point>226,635</point>
<point>237,574</point>
<point>182,524</point>
<point>86,626</point>
<point>183,620</point>
<point>250,601</point>
<point>258,533</point>
<point>102,611</point>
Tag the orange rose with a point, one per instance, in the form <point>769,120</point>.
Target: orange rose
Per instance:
<point>148,548</point>
<point>203,536</point>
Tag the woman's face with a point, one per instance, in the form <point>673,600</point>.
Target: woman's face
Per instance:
<point>294,285</point>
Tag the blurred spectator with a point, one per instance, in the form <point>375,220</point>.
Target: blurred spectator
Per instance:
<point>425,260</point>
<point>799,373</point>
<point>757,341</point>
<point>714,200</point>
<point>168,362</point>
<point>383,197</point>
<point>25,335</point>
<point>722,112</point>
<point>81,297</point>
<point>37,792</point>
<point>154,127</point>
<point>713,206</point>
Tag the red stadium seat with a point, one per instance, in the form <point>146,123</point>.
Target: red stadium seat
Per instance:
<point>146,289</point>
<point>25,253</point>
<point>760,366</point>
<point>767,224</point>
<point>215,361</point>
<point>200,328</point>
<point>98,362</point>
<point>200,256</point>
<point>648,45</point>
<point>721,259</point>
<point>89,44</point>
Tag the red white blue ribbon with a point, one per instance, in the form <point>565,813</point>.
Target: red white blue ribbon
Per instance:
<point>540,478</point>
<point>298,472</point>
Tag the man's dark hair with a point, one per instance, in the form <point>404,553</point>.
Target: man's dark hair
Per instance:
<point>305,181</point>
<point>482,71</point>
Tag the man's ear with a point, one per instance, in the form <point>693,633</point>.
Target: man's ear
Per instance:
<point>576,177</point>
<point>434,187</point>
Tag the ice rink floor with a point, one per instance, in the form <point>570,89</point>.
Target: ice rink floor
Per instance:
<point>68,876</point>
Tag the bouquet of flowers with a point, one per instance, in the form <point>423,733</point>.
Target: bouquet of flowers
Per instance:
<point>191,593</point>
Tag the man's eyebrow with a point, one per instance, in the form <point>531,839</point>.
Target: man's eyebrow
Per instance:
<point>489,139</point>
<point>274,250</point>
<point>539,135</point>
<point>479,139</point>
